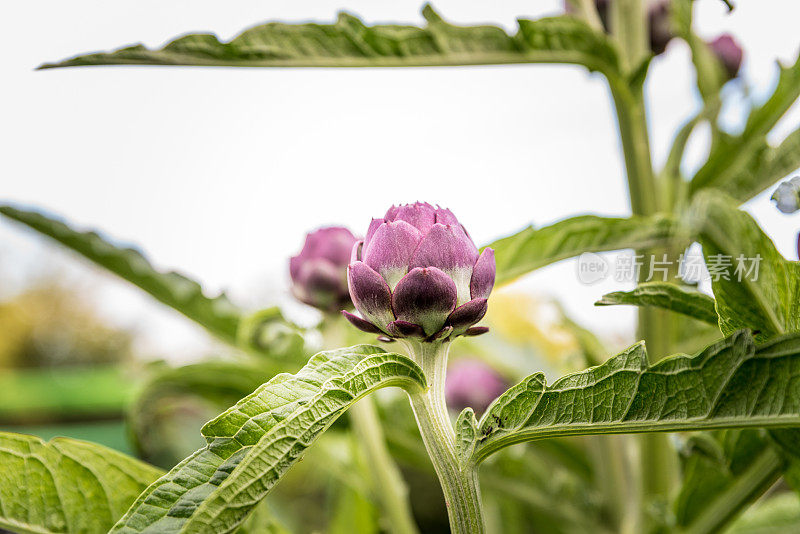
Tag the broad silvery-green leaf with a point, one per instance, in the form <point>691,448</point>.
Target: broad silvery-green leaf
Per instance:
<point>754,286</point>
<point>66,485</point>
<point>533,248</point>
<point>349,42</point>
<point>252,444</point>
<point>667,296</point>
<point>745,164</point>
<point>216,314</point>
<point>730,384</point>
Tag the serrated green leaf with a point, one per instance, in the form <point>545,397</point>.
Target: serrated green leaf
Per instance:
<point>65,485</point>
<point>735,162</point>
<point>349,42</point>
<point>767,301</point>
<point>252,444</point>
<point>216,314</point>
<point>532,248</point>
<point>730,384</point>
<point>667,296</point>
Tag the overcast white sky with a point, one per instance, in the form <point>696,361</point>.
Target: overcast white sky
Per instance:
<point>218,173</point>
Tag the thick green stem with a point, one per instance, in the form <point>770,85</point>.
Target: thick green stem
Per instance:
<point>615,480</point>
<point>658,461</point>
<point>386,481</point>
<point>459,482</point>
<point>632,120</point>
<point>629,27</point>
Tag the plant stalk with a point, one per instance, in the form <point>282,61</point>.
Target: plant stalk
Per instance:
<point>658,461</point>
<point>459,482</point>
<point>385,479</point>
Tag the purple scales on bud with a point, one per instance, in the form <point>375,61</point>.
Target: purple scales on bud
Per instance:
<point>418,274</point>
<point>472,383</point>
<point>729,53</point>
<point>319,272</point>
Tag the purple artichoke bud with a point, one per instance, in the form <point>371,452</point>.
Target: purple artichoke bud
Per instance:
<point>472,383</point>
<point>728,52</point>
<point>319,272</point>
<point>418,274</point>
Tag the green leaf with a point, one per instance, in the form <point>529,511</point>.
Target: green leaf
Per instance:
<point>175,402</point>
<point>667,296</point>
<point>268,333</point>
<point>786,441</point>
<point>708,69</point>
<point>349,42</point>
<point>768,303</point>
<point>730,384</point>
<point>777,515</point>
<point>252,444</point>
<point>745,164</point>
<point>723,474</point>
<point>65,485</point>
<point>532,248</point>
<point>466,434</point>
<point>216,314</point>
<point>770,164</point>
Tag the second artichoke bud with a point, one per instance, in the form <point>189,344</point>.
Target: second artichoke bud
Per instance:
<point>318,272</point>
<point>418,274</point>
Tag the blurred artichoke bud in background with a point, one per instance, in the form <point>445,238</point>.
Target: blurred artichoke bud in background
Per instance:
<point>658,19</point>
<point>473,384</point>
<point>728,52</point>
<point>319,272</point>
<point>418,274</point>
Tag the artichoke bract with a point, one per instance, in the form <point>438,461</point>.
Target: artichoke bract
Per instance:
<point>319,272</point>
<point>418,274</point>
